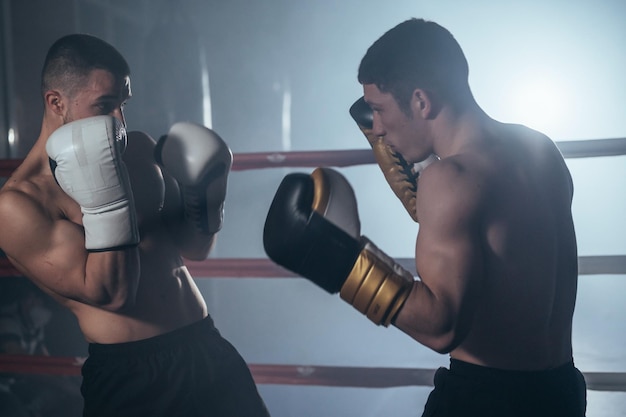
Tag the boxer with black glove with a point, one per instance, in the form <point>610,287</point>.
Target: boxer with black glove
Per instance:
<point>312,228</point>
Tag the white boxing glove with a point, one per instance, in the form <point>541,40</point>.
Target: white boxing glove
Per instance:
<point>200,161</point>
<point>86,160</point>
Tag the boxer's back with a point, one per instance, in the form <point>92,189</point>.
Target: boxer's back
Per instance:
<point>524,314</point>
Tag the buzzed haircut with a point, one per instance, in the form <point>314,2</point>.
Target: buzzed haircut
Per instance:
<point>416,54</point>
<point>71,59</point>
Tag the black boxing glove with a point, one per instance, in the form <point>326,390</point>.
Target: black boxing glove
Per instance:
<point>312,228</point>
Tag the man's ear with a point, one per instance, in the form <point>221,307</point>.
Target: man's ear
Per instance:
<point>425,104</point>
<point>54,102</point>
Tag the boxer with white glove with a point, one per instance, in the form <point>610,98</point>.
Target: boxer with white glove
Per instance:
<point>200,161</point>
<point>401,176</point>
<point>312,228</point>
<point>86,160</point>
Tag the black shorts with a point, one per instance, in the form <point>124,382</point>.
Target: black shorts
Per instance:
<point>189,372</point>
<point>467,390</point>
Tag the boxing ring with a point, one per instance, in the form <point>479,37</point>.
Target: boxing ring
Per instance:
<point>336,376</point>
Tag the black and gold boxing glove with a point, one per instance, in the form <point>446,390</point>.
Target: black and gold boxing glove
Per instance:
<point>376,286</point>
<point>312,228</point>
<point>401,176</point>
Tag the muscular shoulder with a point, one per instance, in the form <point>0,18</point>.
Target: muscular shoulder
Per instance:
<point>20,212</point>
<point>19,199</point>
<point>30,203</point>
<point>453,188</point>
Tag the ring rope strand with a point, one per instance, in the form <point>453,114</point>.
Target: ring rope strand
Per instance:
<point>265,268</point>
<point>278,374</point>
<point>352,157</point>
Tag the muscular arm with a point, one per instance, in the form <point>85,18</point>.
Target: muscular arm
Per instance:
<point>51,251</point>
<point>439,310</point>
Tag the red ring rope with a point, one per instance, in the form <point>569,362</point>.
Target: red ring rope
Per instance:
<point>264,268</point>
<point>335,376</point>
<point>263,374</point>
<point>344,158</point>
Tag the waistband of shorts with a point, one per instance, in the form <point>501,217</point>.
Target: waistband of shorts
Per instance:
<point>461,368</point>
<point>177,337</point>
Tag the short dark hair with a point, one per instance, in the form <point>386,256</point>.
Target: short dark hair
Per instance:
<point>416,54</point>
<point>72,58</point>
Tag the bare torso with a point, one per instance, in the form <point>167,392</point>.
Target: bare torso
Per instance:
<point>525,302</point>
<point>166,297</point>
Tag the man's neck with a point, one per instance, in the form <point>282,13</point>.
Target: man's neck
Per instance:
<point>454,130</point>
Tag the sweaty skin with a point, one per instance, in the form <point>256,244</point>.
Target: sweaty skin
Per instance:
<point>496,249</point>
<point>117,296</point>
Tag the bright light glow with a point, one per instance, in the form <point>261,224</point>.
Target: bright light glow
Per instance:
<point>207,112</point>
<point>286,117</point>
<point>11,137</point>
<point>540,102</point>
